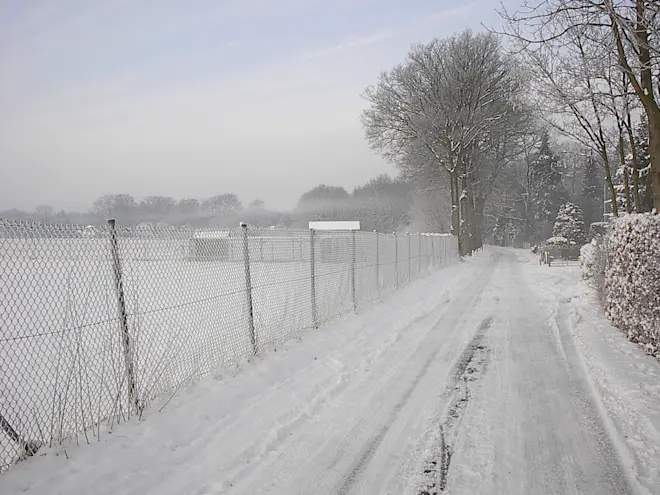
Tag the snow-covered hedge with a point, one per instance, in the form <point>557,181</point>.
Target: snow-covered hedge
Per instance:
<point>631,289</point>
<point>587,260</point>
<point>593,260</point>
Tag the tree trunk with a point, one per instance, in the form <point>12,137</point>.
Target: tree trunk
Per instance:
<point>608,181</point>
<point>472,223</point>
<point>635,164</point>
<point>626,189</point>
<point>455,208</point>
<point>644,89</point>
<point>654,149</point>
<point>647,200</point>
<point>479,205</point>
<point>464,234</point>
<point>622,163</point>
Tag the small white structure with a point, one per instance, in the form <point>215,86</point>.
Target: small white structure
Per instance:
<point>210,245</point>
<point>335,239</point>
<point>211,234</point>
<point>334,225</point>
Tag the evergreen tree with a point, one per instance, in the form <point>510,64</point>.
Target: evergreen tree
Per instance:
<point>591,196</point>
<point>547,192</point>
<point>570,224</point>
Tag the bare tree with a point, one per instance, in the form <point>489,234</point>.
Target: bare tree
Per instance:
<point>628,28</point>
<point>119,206</point>
<point>44,213</point>
<point>438,113</point>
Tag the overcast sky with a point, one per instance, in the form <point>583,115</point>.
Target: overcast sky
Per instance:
<point>199,97</point>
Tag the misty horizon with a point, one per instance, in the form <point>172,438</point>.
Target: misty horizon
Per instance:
<point>195,101</point>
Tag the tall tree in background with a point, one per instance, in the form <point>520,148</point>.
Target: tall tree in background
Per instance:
<point>570,224</point>
<point>156,208</point>
<point>438,114</point>
<point>188,207</point>
<point>222,204</point>
<point>324,202</point>
<point>257,204</point>
<point>601,36</point>
<point>591,194</point>
<point>122,207</point>
<point>383,204</point>
<point>546,190</point>
<point>643,164</point>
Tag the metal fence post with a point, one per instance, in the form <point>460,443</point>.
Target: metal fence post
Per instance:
<point>123,317</point>
<point>396,261</point>
<point>353,270</point>
<point>312,269</point>
<point>377,263</point>
<point>28,447</point>
<point>396,258</point>
<point>433,260</point>
<point>248,288</point>
<point>409,258</point>
<point>419,254</point>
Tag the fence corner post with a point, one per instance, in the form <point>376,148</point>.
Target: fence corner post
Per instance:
<point>248,288</point>
<point>133,399</point>
<point>312,271</point>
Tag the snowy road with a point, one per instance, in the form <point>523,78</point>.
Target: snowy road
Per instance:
<point>485,378</point>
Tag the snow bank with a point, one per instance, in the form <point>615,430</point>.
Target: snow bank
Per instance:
<point>631,288</point>
<point>625,381</point>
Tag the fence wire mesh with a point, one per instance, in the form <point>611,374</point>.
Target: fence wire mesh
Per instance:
<point>97,323</point>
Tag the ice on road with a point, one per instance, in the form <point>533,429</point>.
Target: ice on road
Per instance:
<point>492,376</point>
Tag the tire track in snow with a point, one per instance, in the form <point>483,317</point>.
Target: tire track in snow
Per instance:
<point>371,447</point>
<point>470,365</point>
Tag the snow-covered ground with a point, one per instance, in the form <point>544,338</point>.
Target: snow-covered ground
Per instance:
<point>62,354</point>
<point>495,375</point>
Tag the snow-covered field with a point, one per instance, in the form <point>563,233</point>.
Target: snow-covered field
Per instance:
<point>495,375</point>
<point>359,406</point>
<point>61,351</point>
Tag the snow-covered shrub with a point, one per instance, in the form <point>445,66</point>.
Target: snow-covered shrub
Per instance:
<point>593,260</point>
<point>570,224</point>
<point>557,240</point>
<point>632,278</point>
<point>587,258</point>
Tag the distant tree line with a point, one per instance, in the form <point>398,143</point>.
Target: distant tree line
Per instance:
<point>383,203</point>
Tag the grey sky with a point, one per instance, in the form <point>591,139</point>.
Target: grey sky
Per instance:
<point>191,99</point>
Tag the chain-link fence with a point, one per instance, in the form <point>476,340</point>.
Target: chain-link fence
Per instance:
<point>96,323</point>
